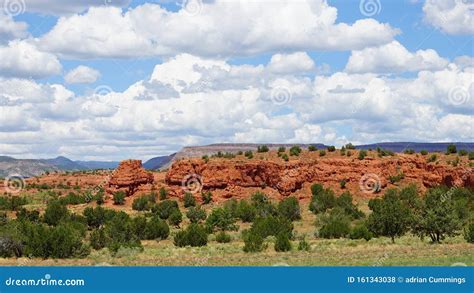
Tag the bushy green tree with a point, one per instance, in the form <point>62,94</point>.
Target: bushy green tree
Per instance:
<point>362,154</point>
<point>163,194</point>
<point>143,203</point>
<point>196,214</point>
<point>469,233</point>
<point>175,218</point>
<point>156,229</point>
<point>206,197</point>
<point>312,148</point>
<point>262,149</point>
<point>193,235</point>
<point>253,241</point>
<point>360,232</point>
<point>189,200</point>
<point>289,208</point>
<point>451,149</point>
<point>245,211</point>
<point>331,148</point>
<point>121,232</point>
<point>303,245</point>
<point>295,151</point>
<point>98,239</point>
<point>119,198</point>
<point>439,217</point>
<point>263,205</point>
<point>95,216</point>
<point>335,224</point>
<point>55,212</point>
<point>282,243</point>
<point>221,219</point>
<point>165,208</point>
<point>321,199</point>
<point>272,226</point>
<point>344,201</point>
<point>390,216</point>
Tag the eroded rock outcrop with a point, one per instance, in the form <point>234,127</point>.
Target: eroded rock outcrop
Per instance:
<point>129,177</point>
<point>229,176</point>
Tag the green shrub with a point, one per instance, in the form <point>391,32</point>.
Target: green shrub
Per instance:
<point>396,178</point>
<point>281,149</point>
<point>390,215</point>
<point>423,152</point>
<point>189,200</point>
<point>194,235</point>
<point>282,243</point>
<point>223,237</point>
<point>462,153</point>
<point>350,146</point>
<point>205,158</point>
<point>98,239</point>
<point>55,212</point>
<point>469,233</point>
<point>245,211</point>
<point>206,197</point>
<point>322,200</point>
<point>26,215</point>
<point>165,208</point>
<point>432,158</point>
<point>72,199</point>
<point>120,230</point>
<point>322,153</point>
<point>175,218</point>
<point>344,201</point>
<point>263,206</point>
<point>248,154</point>
<point>303,245</point>
<point>95,216</point>
<point>143,203</point>
<point>362,154</point>
<point>409,151</point>
<point>334,225</point>
<point>295,151</point>
<point>360,232</point>
<point>119,198</point>
<point>262,149</point>
<point>253,242</point>
<point>12,203</point>
<point>157,229</point>
<point>312,148</point>
<point>61,241</point>
<point>272,226</point>
<point>471,156</point>
<point>196,214</point>
<point>285,157</point>
<point>343,183</point>
<point>221,219</point>
<point>163,194</point>
<point>331,148</point>
<point>139,225</point>
<point>451,149</point>
<point>289,208</point>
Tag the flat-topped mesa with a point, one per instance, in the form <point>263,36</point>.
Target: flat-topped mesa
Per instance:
<point>128,177</point>
<point>231,176</point>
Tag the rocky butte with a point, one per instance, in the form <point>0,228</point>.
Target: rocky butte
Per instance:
<point>128,178</point>
<point>232,177</point>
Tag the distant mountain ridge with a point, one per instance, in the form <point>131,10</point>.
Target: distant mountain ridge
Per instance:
<point>34,167</point>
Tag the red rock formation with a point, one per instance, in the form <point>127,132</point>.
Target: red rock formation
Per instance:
<point>230,176</point>
<point>128,177</point>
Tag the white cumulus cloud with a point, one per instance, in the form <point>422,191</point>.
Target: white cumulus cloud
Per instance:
<point>82,74</point>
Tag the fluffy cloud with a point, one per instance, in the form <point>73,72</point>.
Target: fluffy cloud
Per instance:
<point>451,16</point>
<point>9,29</point>
<point>23,59</point>
<point>392,58</point>
<point>291,63</point>
<point>190,100</point>
<point>82,74</point>
<point>222,28</point>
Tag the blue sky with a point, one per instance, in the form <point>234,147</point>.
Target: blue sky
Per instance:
<point>133,78</point>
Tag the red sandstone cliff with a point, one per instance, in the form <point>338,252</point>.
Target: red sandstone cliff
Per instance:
<point>128,177</point>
